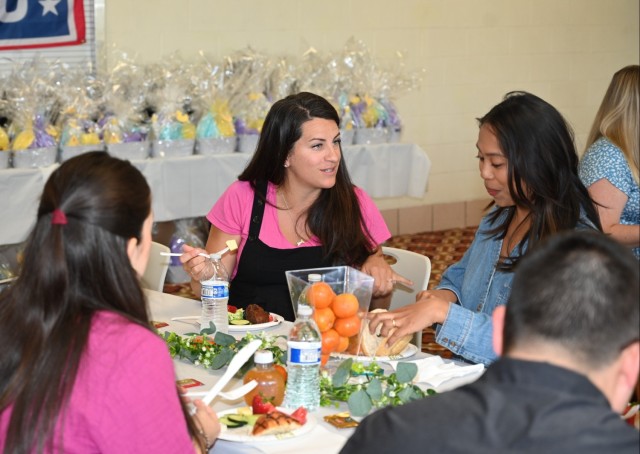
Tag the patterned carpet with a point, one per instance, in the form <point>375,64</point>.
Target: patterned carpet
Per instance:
<point>443,247</point>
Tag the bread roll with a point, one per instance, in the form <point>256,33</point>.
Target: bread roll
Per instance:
<point>374,345</point>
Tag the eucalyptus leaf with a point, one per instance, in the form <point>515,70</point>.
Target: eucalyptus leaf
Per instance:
<point>359,403</point>
<point>224,339</point>
<point>408,394</point>
<point>405,372</point>
<point>222,358</point>
<point>210,330</point>
<point>374,389</point>
<point>342,374</point>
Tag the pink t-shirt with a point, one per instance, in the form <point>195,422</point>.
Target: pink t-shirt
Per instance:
<point>124,398</point>
<point>232,214</point>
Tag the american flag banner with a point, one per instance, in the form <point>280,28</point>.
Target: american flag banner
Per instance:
<point>29,24</point>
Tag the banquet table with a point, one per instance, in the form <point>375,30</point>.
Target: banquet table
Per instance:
<point>322,439</point>
<point>186,187</point>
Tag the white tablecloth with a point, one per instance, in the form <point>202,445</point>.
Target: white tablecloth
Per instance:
<point>188,187</point>
<point>323,439</point>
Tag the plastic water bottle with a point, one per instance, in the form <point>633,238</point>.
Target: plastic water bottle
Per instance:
<point>303,362</point>
<point>311,279</point>
<point>214,294</point>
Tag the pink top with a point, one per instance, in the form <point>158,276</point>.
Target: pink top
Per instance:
<point>125,397</point>
<point>232,213</point>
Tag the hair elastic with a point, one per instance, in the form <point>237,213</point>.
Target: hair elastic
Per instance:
<point>58,217</point>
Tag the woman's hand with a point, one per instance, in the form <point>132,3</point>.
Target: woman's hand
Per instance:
<point>384,278</point>
<point>207,421</point>
<point>430,307</point>
<point>198,267</point>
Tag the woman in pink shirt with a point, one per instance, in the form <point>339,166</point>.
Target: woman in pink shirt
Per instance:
<point>82,371</point>
<point>294,207</point>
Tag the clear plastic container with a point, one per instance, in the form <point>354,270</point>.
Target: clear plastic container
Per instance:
<point>270,382</point>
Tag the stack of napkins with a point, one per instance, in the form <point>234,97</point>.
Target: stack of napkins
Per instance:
<point>434,371</point>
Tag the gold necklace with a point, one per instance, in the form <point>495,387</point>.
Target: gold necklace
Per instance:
<point>295,224</point>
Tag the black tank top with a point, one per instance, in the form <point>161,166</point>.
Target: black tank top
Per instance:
<point>260,278</point>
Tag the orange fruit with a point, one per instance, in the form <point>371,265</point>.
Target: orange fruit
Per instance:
<point>320,295</point>
<point>324,318</point>
<point>343,344</point>
<point>330,341</point>
<point>347,327</point>
<point>345,305</point>
<point>324,358</point>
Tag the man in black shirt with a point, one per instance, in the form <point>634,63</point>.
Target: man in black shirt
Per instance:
<point>569,337</point>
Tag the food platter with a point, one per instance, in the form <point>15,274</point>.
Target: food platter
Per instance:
<point>408,352</point>
<point>277,319</point>
<point>243,434</point>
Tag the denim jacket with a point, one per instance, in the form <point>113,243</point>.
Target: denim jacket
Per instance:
<point>467,330</point>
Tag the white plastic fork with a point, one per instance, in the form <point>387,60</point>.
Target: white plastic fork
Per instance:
<point>229,395</point>
<point>234,366</point>
<point>231,246</point>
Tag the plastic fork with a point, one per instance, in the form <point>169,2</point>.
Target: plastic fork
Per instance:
<point>229,395</point>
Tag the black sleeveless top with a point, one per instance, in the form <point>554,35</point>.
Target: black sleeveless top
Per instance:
<point>260,278</point>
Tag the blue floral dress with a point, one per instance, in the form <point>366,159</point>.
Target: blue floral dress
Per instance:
<point>603,159</point>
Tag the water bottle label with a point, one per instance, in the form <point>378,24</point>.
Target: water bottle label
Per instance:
<point>304,352</point>
<point>216,290</point>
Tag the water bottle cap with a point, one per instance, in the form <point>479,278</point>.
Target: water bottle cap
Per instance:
<point>314,277</point>
<point>305,310</point>
<point>215,256</point>
<point>263,357</point>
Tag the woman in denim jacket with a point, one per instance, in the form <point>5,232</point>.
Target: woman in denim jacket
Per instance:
<point>529,165</point>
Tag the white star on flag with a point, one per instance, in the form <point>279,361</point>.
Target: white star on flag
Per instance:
<point>49,6</point>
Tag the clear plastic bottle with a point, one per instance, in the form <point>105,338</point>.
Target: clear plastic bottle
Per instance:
<point>303,362</point>
<point>214,294</point>
<point>270,381</point>
<point>311,279</point>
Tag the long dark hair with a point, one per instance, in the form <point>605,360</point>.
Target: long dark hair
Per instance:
<point>69,272</point>
<point>542,170</point>
<point>336,209</point>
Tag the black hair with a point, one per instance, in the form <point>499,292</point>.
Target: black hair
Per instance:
<point>542,169</point>
<point>337,209</point>
<point>71,269</point>
<point>579,290</point>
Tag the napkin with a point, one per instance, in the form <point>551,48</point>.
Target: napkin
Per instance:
<point>434,371</point>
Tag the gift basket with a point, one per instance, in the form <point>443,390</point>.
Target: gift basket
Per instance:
<point>81,97</point>
<point>34,108</point>
<point>246,73</point>
<point>124,125</point>
<point>172,128</point>
<point>215,132</point>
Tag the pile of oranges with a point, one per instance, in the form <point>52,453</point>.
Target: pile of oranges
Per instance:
<point>336,316</point>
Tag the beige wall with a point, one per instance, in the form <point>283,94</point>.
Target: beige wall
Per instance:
<point>472,51</point>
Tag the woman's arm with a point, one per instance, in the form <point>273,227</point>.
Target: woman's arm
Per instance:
<point>430,307</point>
<point>611,202</point>
<point>383,275</point>
<point>198,267</point>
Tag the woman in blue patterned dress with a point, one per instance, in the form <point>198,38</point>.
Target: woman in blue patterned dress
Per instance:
<point>609,167</point>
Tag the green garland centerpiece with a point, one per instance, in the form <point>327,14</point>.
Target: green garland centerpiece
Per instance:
<point>366,387</point>
<point>214,350</point>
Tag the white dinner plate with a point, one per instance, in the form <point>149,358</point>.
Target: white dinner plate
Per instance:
<point>243,434</point>
<point>408,352</point>
<point>277,319</point>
